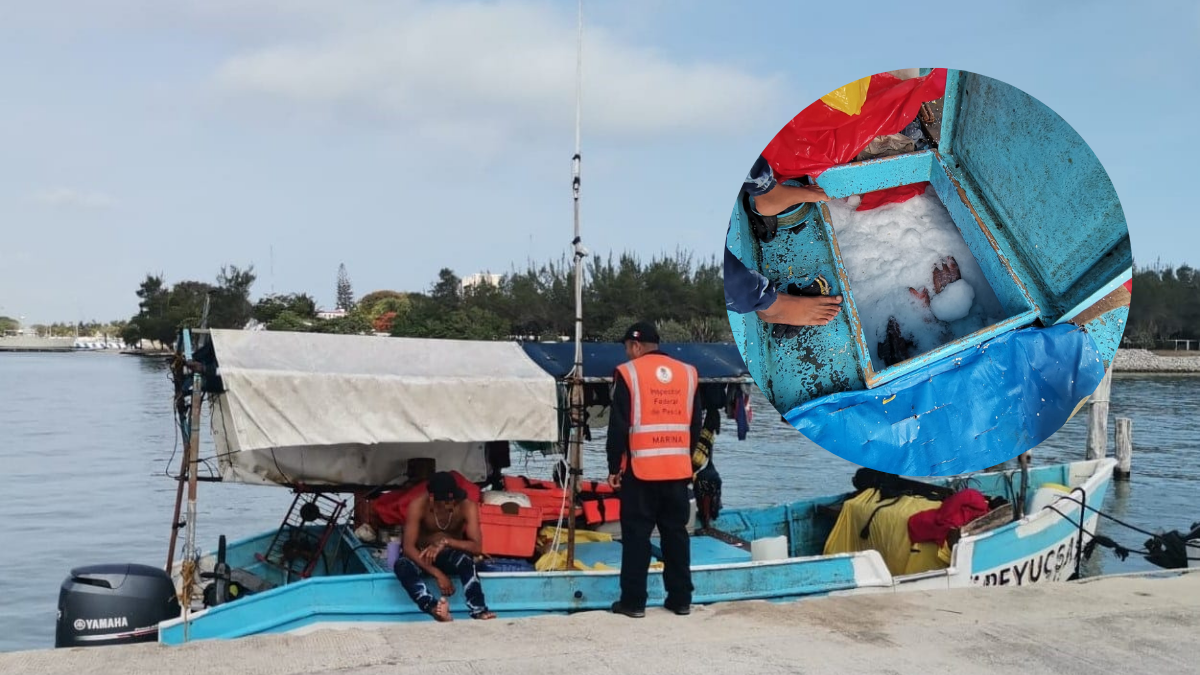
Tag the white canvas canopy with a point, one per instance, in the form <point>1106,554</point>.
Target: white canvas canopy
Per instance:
<point>352,410</point>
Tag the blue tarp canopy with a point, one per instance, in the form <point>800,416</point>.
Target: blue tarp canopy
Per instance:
<point>714,361</point>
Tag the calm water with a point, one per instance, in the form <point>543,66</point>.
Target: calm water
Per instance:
<point>85,440</point>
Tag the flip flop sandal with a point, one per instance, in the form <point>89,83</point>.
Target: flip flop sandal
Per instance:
<point>818,286</point>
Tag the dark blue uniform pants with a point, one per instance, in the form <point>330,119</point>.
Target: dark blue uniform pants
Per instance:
<point>644,505</point>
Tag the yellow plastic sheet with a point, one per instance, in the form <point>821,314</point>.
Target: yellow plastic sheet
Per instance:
<point>547,533</point>
<point>888,533</point>
<point>849,99</point>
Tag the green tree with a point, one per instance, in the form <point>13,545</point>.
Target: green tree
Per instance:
<point>351,324</point>
<point>287,320</point>
<point>1165,306</point>
<point>376,303</point>
<point>230,305</point>
<point>131,334</point>
<point>345,295</point>
<point>301,306</point>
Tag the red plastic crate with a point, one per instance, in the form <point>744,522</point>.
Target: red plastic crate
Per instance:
<point>512,535</point>
<point>544,495</point>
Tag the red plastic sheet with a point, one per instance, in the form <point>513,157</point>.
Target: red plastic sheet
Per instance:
<point>392,507</point>
<point>822,136</point>
<point>895,195</point>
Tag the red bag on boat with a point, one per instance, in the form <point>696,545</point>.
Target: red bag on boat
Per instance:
<point>892,195</point>
<point>392,507</point>
<point>822,136</point>
<point>957,510</point>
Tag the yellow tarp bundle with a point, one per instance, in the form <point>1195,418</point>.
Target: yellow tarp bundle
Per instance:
<point>888,533</point>
<point>849,99</point>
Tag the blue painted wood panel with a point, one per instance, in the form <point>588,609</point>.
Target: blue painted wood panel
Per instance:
<point>1059,217</point>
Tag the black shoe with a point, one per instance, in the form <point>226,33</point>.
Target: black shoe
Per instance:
<point>618,608</point>
<point>793,219</point>
<point>680,609</point>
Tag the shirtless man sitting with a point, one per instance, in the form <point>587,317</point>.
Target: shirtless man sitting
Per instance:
<point>442,537</point>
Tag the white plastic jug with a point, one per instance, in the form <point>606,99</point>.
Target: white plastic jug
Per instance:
<point>769,548</point>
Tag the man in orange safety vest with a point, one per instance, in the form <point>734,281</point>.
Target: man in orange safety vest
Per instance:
<point>654,423</point>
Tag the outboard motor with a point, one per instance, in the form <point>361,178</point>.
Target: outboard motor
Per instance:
<point>114,604</point>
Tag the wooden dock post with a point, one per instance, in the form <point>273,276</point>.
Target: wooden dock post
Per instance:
<point>1097,438</point>
<point>1124,448</point>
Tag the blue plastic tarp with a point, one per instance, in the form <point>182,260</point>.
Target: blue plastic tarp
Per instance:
<point>713,360</point>
<point>964,413</point>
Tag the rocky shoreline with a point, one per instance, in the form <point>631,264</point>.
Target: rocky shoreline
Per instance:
<point>1144,361</point>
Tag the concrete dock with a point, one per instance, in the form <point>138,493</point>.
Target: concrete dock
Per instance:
<point>1132,623</point>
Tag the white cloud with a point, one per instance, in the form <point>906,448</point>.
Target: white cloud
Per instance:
<point>70,197</point>
<point>507,66</point>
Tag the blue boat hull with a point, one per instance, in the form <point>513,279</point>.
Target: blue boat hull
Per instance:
<point>357,591</point>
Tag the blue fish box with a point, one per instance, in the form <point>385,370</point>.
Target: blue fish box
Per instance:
<point>1035,209</point>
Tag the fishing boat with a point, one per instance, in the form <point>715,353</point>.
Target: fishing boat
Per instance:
<point>1037,214</point>
<point>337,418</point>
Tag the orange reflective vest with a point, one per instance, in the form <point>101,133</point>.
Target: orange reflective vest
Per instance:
<point>662,392</point>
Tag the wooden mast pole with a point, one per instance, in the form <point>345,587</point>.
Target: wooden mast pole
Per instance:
<point>576,395</point>
<point>188,562</point>
<point>182,478</point>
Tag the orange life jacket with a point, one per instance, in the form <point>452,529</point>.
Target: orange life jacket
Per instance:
<point>662,391</point>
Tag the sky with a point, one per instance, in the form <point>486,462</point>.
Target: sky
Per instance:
<point>399,137</point>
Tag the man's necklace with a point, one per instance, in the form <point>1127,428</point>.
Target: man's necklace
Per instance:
<point>438,520</point>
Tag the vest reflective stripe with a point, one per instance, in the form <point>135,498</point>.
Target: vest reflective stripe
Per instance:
<point>660,416</point>
<point>660,427</point>
<point>664,452</point>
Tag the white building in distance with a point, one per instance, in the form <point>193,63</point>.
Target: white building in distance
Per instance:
<point>481,278</point>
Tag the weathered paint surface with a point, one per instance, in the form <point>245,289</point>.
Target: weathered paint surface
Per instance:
<point>821,359</point>
<point>1107,330</point>
<point>748,330</point>
<point>859,178</point>
<point>975,224</point>
<point>1058,217</point>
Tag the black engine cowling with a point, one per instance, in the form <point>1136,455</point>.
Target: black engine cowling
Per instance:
<point>114,604</point>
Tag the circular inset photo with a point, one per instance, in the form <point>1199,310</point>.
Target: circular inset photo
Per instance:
<point>927,271</point>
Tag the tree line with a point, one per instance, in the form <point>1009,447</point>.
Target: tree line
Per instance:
<point>684,298</point>
<point>1165,306</point>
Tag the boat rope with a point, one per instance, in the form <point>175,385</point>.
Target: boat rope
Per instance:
<point>1123,523</point>
<point>1166,550</point>
<point>562,507</point>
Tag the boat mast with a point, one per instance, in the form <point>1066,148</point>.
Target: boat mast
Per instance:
<point>576,395</point>
<point>188,559</point>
